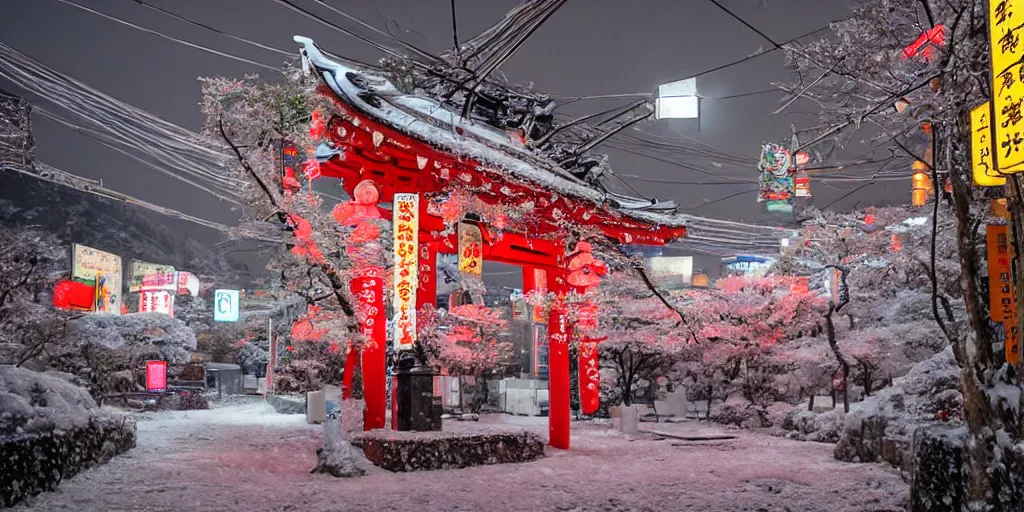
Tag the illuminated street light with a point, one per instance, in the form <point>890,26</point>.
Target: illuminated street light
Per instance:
<point>678,100</point>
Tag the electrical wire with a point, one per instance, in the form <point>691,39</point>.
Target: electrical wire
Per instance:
<point>171,38</point>
<point>167,147</point>
<point>213,29</point>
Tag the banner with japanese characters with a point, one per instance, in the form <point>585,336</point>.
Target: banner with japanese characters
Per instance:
<point>406,208</point>
<point>156,301</point>
<point>471,252</point>
<point>141,269</point>
<point>1002,305</point>
<point>982,170</point>
<point>1005,19</point>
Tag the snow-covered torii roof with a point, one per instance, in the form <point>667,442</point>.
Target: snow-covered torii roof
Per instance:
<point>488,157</point>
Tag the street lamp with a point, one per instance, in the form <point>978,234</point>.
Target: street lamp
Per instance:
<point>678,100</point>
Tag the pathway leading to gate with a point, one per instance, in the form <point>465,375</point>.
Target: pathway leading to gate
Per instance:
<point>245,457</point>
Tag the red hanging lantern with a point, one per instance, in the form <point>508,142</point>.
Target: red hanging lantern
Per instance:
<point>362,207</point>
<point>585,271</point>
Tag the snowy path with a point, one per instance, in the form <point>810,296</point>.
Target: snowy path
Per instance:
<point>247,458</point>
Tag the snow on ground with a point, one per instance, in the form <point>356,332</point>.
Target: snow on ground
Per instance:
<point>245,457</point>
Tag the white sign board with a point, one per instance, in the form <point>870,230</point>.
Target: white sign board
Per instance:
<point>225,306</point>
<point>672,272</point>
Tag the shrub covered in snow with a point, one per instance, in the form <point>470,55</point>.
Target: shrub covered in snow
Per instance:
<point>883,426</point>
<point>106,350</point>
<point>51,429</point>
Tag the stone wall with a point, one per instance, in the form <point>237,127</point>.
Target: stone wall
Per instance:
<point>39,461</point>
<point>449,451</point>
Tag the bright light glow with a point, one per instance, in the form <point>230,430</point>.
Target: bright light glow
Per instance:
<point>687,87</point>
<point>677,107</point>
<point>678,100</point>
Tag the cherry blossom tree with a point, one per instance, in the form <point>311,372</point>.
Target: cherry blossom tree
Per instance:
<point>642,339</point>
<point>740,322</point>
<point>312,250</point>
<point>468,341</point>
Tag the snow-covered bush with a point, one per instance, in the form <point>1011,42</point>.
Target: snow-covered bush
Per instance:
<point>100,348</point>
<point>882,427</point>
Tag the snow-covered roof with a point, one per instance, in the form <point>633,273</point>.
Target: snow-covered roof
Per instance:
<point>432,122</point>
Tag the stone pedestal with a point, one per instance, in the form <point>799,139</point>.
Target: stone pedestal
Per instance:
<point>418,408</point>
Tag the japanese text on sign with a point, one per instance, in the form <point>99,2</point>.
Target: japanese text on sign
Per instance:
<point>406,208</point>
<point>1002,299</point>
<point>982,170</point>
<point>471,256</point>
<point>1005,20</point>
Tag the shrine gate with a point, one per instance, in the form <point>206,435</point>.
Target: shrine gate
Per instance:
<point>532,206</point>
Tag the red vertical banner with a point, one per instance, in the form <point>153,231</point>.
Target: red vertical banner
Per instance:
<point>589,371</point>
<point>368,287</point>
<point>426,293</point>
<point>1002,303</point>
<point>540,284</point>
<point>558,377</point>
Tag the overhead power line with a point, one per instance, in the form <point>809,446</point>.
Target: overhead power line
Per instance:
<point>171,38</point>
<point>213,29</point>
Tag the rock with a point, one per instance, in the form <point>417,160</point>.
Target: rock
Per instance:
<point>938,481</point>
<point>882,426</point>
<point>822,427</point>
<point>286,404</point>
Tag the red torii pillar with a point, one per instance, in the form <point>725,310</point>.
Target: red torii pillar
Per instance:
<point>559,393</point>
<point>368,287</point>
<point>558,355</point>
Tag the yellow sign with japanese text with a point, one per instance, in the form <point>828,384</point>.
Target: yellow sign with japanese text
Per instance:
<point>1006,25</point>
<point>471,249</point>
<point>406,213</point>
<point>984,173</point>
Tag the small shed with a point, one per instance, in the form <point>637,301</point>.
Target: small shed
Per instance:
<point>226,378</point>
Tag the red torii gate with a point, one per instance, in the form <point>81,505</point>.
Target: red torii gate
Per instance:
<point>399,161</point>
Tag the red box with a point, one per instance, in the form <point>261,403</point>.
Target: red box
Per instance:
<point>156,375</point>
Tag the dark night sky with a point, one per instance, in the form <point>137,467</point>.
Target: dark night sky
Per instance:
<point>589,47</point>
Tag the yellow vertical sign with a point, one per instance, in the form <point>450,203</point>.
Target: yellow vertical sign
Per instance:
<point>984,173</point>
<point>1006,26</point>
<point>406,211</point>
<point>471,254</point>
